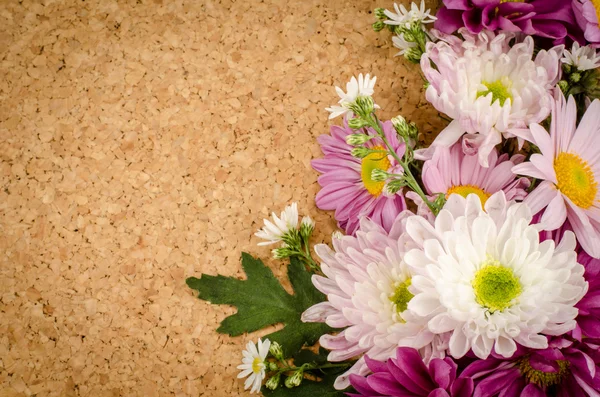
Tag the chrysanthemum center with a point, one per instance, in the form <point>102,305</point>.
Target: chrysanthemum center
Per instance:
<point>541,378</point>
<point>596,4</point>
<point>376,160</point>
<point>495,286</point>
<point>575,179</point>
<point>256,365</point>
<point>465,190</point>
<point>500,91</point>
<point>401,295</point>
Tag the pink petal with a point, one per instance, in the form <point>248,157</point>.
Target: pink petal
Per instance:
<point>542,139</point>
<point>541,196</point>
<point>555,214</point>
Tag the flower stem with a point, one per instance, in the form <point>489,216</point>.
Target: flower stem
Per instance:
<point>410,178</point>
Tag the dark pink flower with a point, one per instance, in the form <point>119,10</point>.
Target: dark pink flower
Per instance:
<point>549,19</point>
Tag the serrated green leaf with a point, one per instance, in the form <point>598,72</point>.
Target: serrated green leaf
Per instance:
<point>261,301</point>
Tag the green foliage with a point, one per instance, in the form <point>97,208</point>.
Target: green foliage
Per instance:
<point>261,301</point>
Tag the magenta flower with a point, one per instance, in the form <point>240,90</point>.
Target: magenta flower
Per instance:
<point>407,375</point>
<point>346,182</point>
<point>565,369</point>
<point>450,170</point>
<point>551,19</point>
<point>569,168</point>
<point>587,13</point>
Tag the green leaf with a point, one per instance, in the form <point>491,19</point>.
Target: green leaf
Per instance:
<point>261,301</point>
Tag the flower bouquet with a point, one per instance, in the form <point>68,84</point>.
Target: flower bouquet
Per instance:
<point>468,267</point>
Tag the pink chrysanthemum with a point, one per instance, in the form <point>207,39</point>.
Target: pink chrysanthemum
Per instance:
<point>587,13</point>
<point>569,167</point>
<point>368,287</point>
<point>489,86</point>
<point>452,171</point>
<point>346,182</point>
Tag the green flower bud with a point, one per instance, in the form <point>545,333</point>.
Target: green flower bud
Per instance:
<point>273,366</point>
<point>360,152</point>
<point>378,26</point>
<point>394,186</point>
<point>380,13</point>
<point>276,350</point>
<point>356,123</point>
<point>378,175</point>
<point>413,54</point>
<point>273,382</point>
<point>575,77</point>
<point>563,85</point>
<point>358,139</point>
<point>363,106</point>
<point>440,200</point>
<point>307,226</point>
<point>282,253</point>
<point>295,379</point>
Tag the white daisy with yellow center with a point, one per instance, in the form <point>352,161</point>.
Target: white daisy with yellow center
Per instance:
<point>253,364</point>
<point>488,281</point>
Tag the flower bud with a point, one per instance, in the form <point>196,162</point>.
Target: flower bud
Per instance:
<point>273,382</point>
<point>378,175</point>
<point>307,226</point>
<point>276,350</point>
<point>358,139</point>
<point>380,13</point>
<point>295,379</point>
<point>360,152</point>
<point>363,106</point>
<point>356,123</point>
<point>378,26</point>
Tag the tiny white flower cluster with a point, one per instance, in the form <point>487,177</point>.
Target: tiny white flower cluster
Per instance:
<point>583,58</point>
<point>404,17</point>
<point>274,232</point>
<point>355,88</point>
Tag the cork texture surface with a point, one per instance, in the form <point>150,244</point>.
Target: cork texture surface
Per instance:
<point>143,142</point>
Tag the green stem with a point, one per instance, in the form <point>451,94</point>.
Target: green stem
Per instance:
<point>410,178</point>
<point>310,367</point>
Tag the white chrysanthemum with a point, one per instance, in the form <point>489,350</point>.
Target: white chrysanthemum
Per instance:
<point>402,44</point>
<point>368,288</point>
<point>253,364</point>
<point>404,17</point>
<point>489,87</point>
<point>363,86</point>
<point>484,277</point>
<point>274,231</point>
<point>583,58</point>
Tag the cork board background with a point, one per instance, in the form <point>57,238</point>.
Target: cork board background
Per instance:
<point>142,142</point>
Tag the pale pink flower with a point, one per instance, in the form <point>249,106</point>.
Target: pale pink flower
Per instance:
<point>569,167</point>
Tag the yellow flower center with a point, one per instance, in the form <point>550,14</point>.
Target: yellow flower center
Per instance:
<point>541,378</point>
<point>376,160</point>
<point>575,179</point>
<point>495,286</point>
<point>401,295</point>
<point>512,1</point>
<point>465,190</point>
<point>257,365</point>
<point>500,90</point>
<point>596,4</point>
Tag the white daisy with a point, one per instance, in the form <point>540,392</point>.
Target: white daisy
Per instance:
<point>253,364</point>
<point>402,44</point>
<point>404,17</point>
<point>583,58</point>
<point>485,278</point>
<point>274,231</point>
<point>355,88</point>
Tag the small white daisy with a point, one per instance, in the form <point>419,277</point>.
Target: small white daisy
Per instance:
<point>404,17</point>
<point>583,58</point>
<point>363,86</point>
<point>253,364</point>
<point>402,44</point>
<point>274,231</point>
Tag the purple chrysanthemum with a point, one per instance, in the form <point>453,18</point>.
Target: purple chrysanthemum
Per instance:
<point>407,375</point>
<point>550,19</point>
<point>346,182</point>
<point>587,13</point>
<point>565,369</point>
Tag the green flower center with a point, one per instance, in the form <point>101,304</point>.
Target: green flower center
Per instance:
<point>541,378</point>
<point>401,296</point>
<point>500,91</point>
<point>495,286</point>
